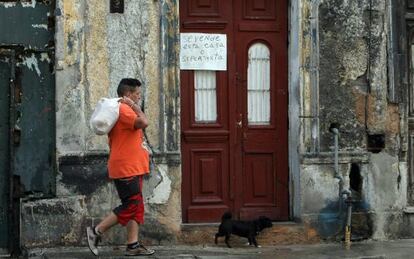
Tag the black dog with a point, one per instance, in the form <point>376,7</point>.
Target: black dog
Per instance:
<point>248,229</point>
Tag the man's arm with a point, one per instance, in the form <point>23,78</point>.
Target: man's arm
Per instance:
<point>141,122</point>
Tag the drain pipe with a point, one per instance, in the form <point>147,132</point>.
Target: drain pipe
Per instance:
<point>345,193</point>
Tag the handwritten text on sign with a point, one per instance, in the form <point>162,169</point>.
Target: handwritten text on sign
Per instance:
<point>203,51</point>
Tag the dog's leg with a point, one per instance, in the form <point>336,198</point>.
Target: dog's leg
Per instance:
<point>217,235</point>
<point>250,241</point>
<point>254,241</point>
<point>227,241</point>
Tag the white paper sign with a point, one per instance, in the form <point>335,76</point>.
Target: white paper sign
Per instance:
<point>203,51</point>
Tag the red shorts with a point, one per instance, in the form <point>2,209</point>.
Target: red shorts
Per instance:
<point>132,207</point>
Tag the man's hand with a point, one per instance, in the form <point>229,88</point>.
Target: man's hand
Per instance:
<point>141,121</point>
<point>128,101</point>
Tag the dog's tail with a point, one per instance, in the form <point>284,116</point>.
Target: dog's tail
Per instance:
<point>226,215</point>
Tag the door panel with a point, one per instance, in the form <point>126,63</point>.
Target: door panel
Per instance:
<point>209,182</point>
<point>207,167</point>
<point>5,75</point>
<point>35,24</point>
<point>258,182</point>
<point>34,109</point>
<point>237,162</point>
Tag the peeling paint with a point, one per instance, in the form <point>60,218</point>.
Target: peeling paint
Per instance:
<point>31,4</point>
<point>40,26</point>
<point>161,193</point>
<point>31,63</point>
<point>73,25</point>
<point>393,119</point>
<point>8,5</point>
<point>45,57</point>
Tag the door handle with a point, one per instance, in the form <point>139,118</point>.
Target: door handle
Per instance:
<point>239,123</point>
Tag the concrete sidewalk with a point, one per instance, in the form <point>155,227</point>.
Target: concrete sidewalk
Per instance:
<point>362,250</point>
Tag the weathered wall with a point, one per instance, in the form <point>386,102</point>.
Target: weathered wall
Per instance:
<point>353,71</point>
<point>342,78</point>
<point>345,81</point>
<point>94,50</point>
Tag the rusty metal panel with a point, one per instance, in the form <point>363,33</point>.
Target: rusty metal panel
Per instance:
<point>34,134</point>
<point>27,27</point>
<point>27,114</point>
<point>29,24</point>
<point>5,72</point>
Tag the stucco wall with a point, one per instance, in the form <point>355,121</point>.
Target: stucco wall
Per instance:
<point>345,81</point>
<point>95,49</point>
<point>342,78</point>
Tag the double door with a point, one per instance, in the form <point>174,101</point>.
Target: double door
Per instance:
<point>234,122</point>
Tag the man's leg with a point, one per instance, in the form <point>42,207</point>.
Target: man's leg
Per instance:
<point>107,223</point>
<point>134,247</point>
<point>132,232</point>
<point>136,218</point>
<point>94,233</point>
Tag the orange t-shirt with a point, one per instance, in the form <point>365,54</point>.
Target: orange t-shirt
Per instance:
<point>127,155</point>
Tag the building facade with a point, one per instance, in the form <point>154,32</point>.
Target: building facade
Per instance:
<point>256,138</point>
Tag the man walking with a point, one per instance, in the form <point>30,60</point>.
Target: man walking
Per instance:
<point>128,162</point>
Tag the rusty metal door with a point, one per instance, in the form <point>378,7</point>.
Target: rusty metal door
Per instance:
<point>234,155</point>
<point>5,75</point>
<point>27,114</point>
<point>33,131</point>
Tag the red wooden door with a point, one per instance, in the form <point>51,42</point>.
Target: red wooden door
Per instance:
<point>261,67</point>
<point>234,122</point>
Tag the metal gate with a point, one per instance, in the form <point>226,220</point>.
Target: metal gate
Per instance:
<point>27,112</point>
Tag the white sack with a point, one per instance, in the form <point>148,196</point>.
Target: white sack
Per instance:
<point>105,115</point>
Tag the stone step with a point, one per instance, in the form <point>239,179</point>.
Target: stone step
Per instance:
<point>282,233</point>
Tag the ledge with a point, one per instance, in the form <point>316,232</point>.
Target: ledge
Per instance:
<point>83,159</point>
<point>169,158</point>
<point>328,158</point>
<point>409,210</point>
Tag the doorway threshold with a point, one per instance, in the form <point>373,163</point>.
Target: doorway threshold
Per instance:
<point>281,233</point>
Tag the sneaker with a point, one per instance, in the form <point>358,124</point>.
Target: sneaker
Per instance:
<point>93,240</point>
<point>139,250</point>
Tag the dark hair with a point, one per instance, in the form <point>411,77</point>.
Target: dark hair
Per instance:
<point>127,85</point>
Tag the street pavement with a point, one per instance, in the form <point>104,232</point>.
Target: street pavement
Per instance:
<point>362,250</point>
